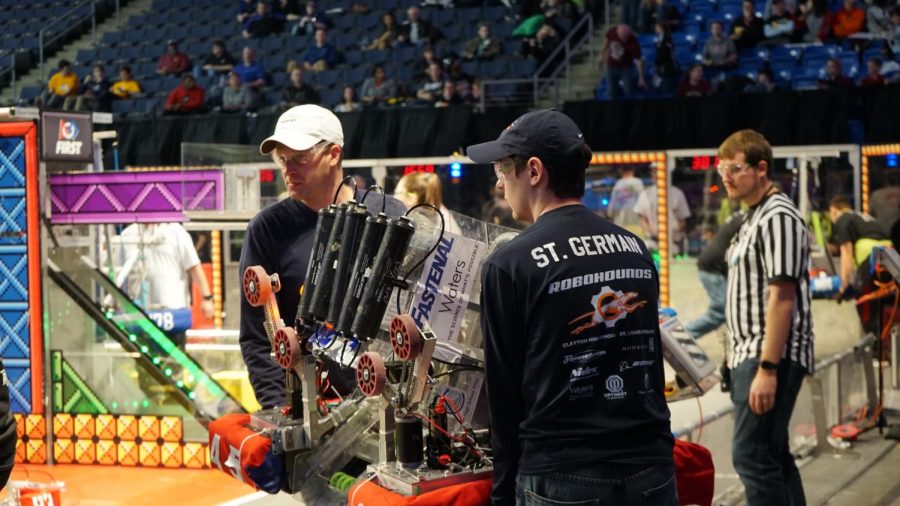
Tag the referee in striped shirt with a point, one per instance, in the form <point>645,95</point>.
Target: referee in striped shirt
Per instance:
<point>769,322</point>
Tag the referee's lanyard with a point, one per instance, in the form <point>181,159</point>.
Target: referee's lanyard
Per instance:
<point>744,237</point>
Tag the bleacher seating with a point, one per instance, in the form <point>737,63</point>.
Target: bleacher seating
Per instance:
<point>194,26</point>
<point>795,66</point>
<point>22,22</point>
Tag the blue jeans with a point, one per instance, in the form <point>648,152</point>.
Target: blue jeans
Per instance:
<point>760,450</point>
<point>601,484</point>
<point>614,89</point>
<point>717,290</point>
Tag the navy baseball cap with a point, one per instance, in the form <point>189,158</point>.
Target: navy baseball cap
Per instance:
<point>547,134</point>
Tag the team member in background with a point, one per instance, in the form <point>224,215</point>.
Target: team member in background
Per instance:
<point>856,235</point>
<point>308,148</point>
<point>713,271</point>
<point>768,316</point>
<point>571,339</point>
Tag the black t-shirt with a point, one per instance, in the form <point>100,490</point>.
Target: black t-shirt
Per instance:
<point>712,258</point>
<point>223,59</point>
<point>572,350</point>
<point>279,239</point>
<point>853,226</point>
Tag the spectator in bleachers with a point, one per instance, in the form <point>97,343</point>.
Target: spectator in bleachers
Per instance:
<point>848,20</point>
<point>448,96</point>
<point>311,21</point>
<point>815,17</point>
<point>658,11</point>
<point>186,98</point>
<point>561,14</point>
<point>873,73</point>
<point>263,22</point>
<point>780,26</point>
<point>291,65</point>
<point>219,61</point>
<point>834,75</point>
<point>694,84</point>
<point>747,30</point>
<point>95,94</point>
<point>251,72</point>
<point>172,62</point>
<point>482,46</point>
<point>765,82</point>
<point>388,34</point>
<point>542,44</point>
<point>421,65</point>
<point>878,19</point>
<point>298,92</point>
<point>321,55</point>
<point>620,52</point>
<point>719,51</point>
<point>667,70</point>
<point>348,102</point>
<point>431,88</point>
<point>646,17</point>
<point>236,97</point>
<point>378,89</point>
<point>62,84</point>
<point>246,8</point>
<point>417,31</point>
<point>474,98</point>
<point>895,37</point>
<point>789,5</point>
<point>630,13</point>
<point>461,80</point>
<point>126,86</point>
<point>290,9</point>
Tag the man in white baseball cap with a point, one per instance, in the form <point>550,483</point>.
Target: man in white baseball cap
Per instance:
<point>308,148</point>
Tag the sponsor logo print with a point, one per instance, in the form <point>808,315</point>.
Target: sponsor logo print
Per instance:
<point>581,391</point>
<point>609,307</point>
<point>582,373</point>
<point>67,143</point>
<point>625,365</point>
<point>580,358</point>
<point>615,387</point>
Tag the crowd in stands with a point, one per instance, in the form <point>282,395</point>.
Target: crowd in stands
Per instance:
<point>700,47</point>
<point>436,69</point>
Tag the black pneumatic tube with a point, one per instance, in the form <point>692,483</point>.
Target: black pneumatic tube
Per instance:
<point>365,258</point>
<point>320,242</point>
<point>325,280</point>
<point>354,225</point>
<point>385,270</point>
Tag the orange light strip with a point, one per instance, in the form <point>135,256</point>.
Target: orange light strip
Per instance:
<point>661,178</point>
<point>867,151</point>
<point>216,256</point>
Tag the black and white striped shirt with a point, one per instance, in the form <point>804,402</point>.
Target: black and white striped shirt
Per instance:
<point>771,245</point>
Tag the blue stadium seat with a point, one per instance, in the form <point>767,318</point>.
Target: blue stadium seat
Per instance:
<point>403,73</point>
<point>122,107</point>
<point>443,18</point>
<point>108,54</point>
<point>494,69</point>
<point>495,13</point>
<point>129,54</point>
<point>331,97</point>
<point>470,67</point>
<point>112,38</point>
<point>279,79</point>
<point>405,54</point>
<point>522,68</point>
<point>86,56</point>
<point>356,75</point>
<point>29,93</point>
<point>354,58</point>
<point>329,78</point>
<point>376,57</point>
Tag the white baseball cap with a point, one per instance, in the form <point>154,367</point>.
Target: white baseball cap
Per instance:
<point>304,126</point>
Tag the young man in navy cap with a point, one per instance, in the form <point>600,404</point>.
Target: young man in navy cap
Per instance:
<point>571,336</point>
<point>308,147</point>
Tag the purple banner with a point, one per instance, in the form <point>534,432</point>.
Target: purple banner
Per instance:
<point>134,197</point>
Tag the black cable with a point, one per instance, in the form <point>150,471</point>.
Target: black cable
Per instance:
<point>356,352</point>
<point>435,359</point>
<point>344,182</point>
<point>383,197</point>
<point>436,244</point>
